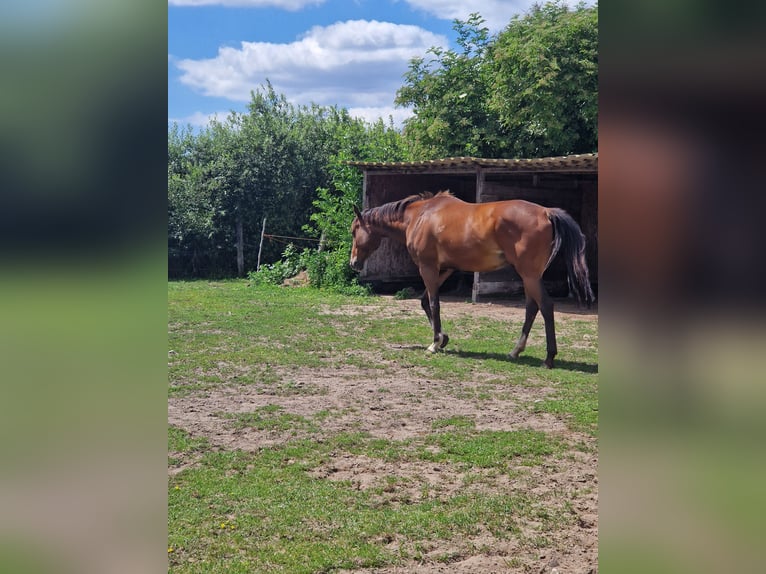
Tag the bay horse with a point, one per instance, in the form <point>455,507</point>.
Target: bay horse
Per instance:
<point>444,234</point>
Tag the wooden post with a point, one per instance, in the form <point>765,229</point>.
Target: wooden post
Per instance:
<point>321,242</point>
<point>260,247</point>
<point>480,179</point>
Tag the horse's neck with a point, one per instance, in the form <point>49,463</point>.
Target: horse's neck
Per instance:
<point>396,230</point>
<point>395,227</point>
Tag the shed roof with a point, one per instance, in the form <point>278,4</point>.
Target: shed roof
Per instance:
<point>582,163</point>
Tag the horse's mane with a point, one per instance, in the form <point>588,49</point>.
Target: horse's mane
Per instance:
<point>394,211</point>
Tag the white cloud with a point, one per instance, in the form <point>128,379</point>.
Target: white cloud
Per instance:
<point>291,5</point>
<point>354,64</point>
<point>496,13</point>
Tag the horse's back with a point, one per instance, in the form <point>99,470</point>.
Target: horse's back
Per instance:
<point>509,208</point>
<point>517,215</point>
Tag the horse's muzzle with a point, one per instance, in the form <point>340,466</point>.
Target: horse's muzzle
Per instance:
<point>355,264</point>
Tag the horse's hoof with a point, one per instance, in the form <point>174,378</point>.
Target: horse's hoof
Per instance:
<point>513,355</point>
<point>548,363</point>
<point>439,344</point>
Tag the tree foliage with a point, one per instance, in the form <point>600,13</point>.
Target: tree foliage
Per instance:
<point>544,73</point>
<point>333,207</point>
<point>449,93</point>
<point>529,91</point>
<point>275,161</point>
<point>192,203</point>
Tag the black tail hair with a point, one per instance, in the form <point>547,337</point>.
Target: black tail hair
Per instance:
<point>568,235</point>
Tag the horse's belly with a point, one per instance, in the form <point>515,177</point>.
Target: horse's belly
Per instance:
<point>492,261</point>
<point>488,260</point>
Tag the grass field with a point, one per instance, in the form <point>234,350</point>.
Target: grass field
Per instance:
<point>310,432</point>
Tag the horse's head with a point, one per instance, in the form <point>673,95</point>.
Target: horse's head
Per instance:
<point>366,240</point>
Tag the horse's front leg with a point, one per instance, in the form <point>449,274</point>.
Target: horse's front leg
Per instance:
<point>433,281</point>
<point>425,301</point>
<point>440,339</point>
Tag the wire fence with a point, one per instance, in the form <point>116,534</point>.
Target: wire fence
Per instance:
<point>284,238</point>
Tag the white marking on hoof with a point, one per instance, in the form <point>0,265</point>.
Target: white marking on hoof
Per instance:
<point>438,345</point>
<point>520,346</point>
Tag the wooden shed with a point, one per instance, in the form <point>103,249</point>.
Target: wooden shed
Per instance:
<point>569,182</point>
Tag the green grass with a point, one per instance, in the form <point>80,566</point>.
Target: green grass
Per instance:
<point>270,417</point>
<point>230,332</point>
<point>264,512</point>
<point>489,449</point>
<point>273,511</point>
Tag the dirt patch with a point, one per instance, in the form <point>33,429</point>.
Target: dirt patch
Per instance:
<point>398,403</point>
<point>394,406</point>
<point>572,547</point>
<point>567,487</point>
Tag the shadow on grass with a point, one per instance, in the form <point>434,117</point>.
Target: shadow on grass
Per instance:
<point>522,360</point>
<point>528,361</point>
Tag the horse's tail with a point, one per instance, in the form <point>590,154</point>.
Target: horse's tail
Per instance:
<point>568,236</point>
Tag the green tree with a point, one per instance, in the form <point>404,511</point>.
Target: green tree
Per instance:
<point>191,202</point>
<point>235,172</point>
<point>449,95</point>
<point>265,144</point>
<point>268,162</point>
<point>544,74</point>
<point>530,91</point>
<point>333,206</point>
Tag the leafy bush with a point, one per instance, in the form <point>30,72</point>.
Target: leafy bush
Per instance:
<point>330,270</point>
<point>406,293</point>
<point>275,273</point>
<point>326,270</point>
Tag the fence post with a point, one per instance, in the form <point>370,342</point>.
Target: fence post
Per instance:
<point>260,247</point>
<point>321,243</point>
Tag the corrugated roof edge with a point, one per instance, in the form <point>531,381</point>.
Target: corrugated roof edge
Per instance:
<point>579,161</point>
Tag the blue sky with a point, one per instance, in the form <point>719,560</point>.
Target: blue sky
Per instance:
<point>349,53</point>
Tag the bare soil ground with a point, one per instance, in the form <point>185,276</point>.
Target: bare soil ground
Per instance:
<point>399,403</point>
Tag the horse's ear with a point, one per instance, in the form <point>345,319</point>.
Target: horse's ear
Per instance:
<point>358,214</point>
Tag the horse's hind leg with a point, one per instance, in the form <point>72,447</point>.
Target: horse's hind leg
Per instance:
<point>546,310</point>
<point>537,297</point>
<point>532,308</point>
